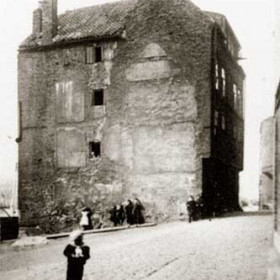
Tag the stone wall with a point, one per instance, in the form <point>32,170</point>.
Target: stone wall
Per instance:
<point>58,122</point>
<point>153,128</point>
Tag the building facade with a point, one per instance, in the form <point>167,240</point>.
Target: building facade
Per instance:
<point>128,99</point>
<point>266,164</point>
<point>274,257</point>
<point>222,167</point>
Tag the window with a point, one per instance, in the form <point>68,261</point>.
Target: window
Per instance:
<point>216,118</point>
<point>235,97</point>
<point>217,76</point>
<point>215,130</point>
<point>225,41</point>
<point>230,48</point>
<point>223,82</point>
<point>98,54</point>
<point>89,54</point>
<point>239,100</point>
<point>67,100</point>
<point>97,97</point>
<point>223,123</point>
<point>94,149</point>
<point>93,54</point>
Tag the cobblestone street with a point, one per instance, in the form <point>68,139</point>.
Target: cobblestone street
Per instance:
<point>223,249</point>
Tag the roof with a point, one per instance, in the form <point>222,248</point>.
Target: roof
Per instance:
<point>99,21</point>
<point>222,21</point>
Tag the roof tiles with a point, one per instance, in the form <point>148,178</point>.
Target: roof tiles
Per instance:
<point>94,22</point>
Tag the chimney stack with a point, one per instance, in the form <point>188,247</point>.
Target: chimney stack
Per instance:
<point>37,21</point>
<point>49,20</point>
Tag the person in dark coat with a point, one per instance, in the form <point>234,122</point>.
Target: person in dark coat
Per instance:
<point>138,212</point>
<point>191,207</point>
<point>120,215</point>
<point>77,254</point>
<point>113,215</point>
<point>129,212</point>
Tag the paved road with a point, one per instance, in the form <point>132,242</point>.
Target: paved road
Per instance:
<point>234,248</point>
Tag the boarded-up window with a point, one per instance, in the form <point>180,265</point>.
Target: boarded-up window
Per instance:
<point>71,148</point>
<point>69,102</point>
<point>89,54</point>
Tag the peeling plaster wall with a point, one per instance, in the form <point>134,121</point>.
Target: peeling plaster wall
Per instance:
<point>166,108</point>
<point>58,122</point>
<point>157,85</point>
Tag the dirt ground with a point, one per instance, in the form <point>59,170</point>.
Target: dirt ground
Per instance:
<point>232,248</point>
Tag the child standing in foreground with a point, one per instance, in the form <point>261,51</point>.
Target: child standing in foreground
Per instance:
<point>77,254</point>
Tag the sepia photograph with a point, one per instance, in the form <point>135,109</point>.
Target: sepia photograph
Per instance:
<point>140,139</point>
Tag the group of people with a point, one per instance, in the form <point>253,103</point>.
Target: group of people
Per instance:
<point>77,253</point>
<point>131,211</point>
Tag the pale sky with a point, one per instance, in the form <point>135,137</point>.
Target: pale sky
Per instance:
<point>252,22</point>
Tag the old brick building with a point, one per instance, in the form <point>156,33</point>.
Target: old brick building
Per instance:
<point>132,98</point>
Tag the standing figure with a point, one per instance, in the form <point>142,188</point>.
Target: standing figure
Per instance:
<point>120,214</point>
<point>129,212</point>
<point>138,212</point>
<point>191,207</point>
<point>86,222</point>
<point>77,254</point>
<point>113,215</point>
<point>97,220</point>
<point>198,208</point>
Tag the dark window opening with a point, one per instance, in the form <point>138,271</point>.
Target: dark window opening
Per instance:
<point>94,149</point>
<point>223,123</point>
<point>98,54</point>
<point>97,97</point>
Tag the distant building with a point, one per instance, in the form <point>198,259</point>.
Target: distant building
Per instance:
<point>266,163</point>
<point>274,257</point>
<point>132,98</point>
